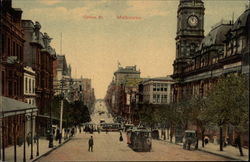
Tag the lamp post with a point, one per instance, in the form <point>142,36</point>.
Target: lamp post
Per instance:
<point>51,131</point>
<point>24,142</point>
<point>31,127</point>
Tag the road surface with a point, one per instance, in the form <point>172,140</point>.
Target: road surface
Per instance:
<point>107,147</point>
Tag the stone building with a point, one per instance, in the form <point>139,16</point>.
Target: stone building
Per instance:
<point>39,55</point>
<point>88,97</point>
<point>29,85</point>
<point>110,97</point>
<point>201,60</point>
<point>157,90</point>
<point>121,93</point>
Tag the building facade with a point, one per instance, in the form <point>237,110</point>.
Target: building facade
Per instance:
<point>39,55</point>
<point>11,54</point>
<point>11,67</point>
<point>121,93</point>
<point>29,85</point>
<point>61,71</point>
<point>157,90</point>
<point>88,97</point>
<point>14,111</point>
<point>224,50</point>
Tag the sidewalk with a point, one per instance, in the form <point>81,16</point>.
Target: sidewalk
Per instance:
<point>43,149</point>
<point>228,151</point>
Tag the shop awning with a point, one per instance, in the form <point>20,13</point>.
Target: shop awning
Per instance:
<point>10,107</point>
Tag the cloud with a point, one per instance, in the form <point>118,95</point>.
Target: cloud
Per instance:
<point>49,2</point>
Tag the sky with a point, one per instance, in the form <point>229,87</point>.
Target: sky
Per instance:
<point>94,40</point>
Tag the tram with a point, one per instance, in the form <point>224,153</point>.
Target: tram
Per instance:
<point>139,139</point>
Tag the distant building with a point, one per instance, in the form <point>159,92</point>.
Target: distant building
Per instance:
<point>157,90</point>
<point>110,97</point>
<point>124,73</point>
<point>121,93</point>
<point>87,92</point>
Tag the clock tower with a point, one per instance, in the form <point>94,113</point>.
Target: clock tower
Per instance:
<point>190,31</point>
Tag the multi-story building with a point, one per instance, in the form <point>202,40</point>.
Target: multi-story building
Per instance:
<point>121,93</point>
<point>157,90</point>
<point>12,42</point>
<point>87,93</point>
<point>110,97</point>
<point>13,109</point>
<point>39,55</point>
<point>201,60</point>
<point>29,85</point>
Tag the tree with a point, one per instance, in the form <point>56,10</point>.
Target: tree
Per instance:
<point>79,113</point>
<point>199,116</point>
<point>228,103</point>
<point>74,113</point>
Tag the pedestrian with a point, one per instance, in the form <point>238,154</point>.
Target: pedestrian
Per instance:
<point>238,144</point>
<point>225,142</point>
<point>67,132</point>
<point>91,144</point>
<point>28,139</point>
<point>72,132</point>
<point>121,138</point>
<point>206,139</point>
<point>57,134</point>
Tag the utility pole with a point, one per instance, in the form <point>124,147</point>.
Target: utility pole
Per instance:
<point>61,112</point>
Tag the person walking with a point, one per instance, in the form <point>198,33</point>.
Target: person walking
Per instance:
<point>91,144</point>
<point>121,138</point>
<point>28,139</point>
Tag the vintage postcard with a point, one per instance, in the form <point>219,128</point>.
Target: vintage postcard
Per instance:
<point>124,80</point>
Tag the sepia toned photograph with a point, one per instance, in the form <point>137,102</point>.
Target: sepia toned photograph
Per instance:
<point>124,80</point>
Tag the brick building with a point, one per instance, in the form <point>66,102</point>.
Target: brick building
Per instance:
<point>14,112</point>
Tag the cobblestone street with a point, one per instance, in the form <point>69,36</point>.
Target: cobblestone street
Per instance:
<point>107,147</point>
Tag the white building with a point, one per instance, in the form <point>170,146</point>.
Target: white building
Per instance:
<point>29,85</point>
<point>30,96</point>
<point>157,90</point>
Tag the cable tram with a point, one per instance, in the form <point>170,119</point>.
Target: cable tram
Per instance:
<point>139,139</point>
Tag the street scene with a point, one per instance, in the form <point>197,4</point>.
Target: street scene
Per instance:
<point>124,80</point>
<point>107,147</point>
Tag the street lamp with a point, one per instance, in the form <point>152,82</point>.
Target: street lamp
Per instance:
<point>51,130</point>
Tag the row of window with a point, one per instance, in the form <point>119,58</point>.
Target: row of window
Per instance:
<point>11,47</point>
<point>235,46</point>
<point>160,87</point>
<point>11,87</point>
<point>157,98</point>
<point>29,85</point>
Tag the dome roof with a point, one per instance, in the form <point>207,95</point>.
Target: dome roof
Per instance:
<point>243,20</point>
<point>216,36</point>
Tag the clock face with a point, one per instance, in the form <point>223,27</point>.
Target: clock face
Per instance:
<point>193,21</point>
